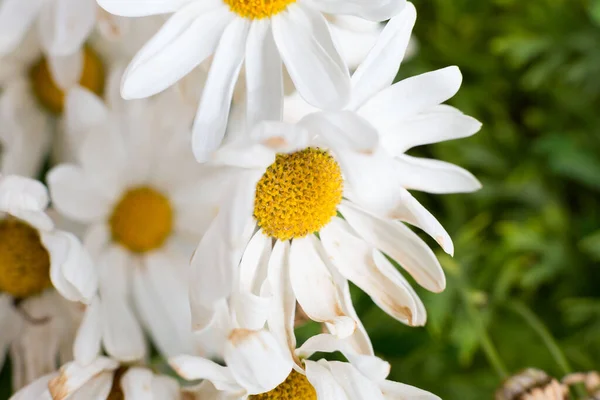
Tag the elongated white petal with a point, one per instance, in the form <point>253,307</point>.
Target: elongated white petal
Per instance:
<point>213,111</point>
<point>314,288</point>
<point>398,242</point>
<point>400,391</point>
<point>411,96</point>
<point>194,368</point>
<point>283,310</point>
<point>83,111</point>
<point>355,384</point>
<point>16,17</point>
<point>356,260</point>
<point>434,176</point>
<point>72,376</point>
<point>380,67</point>
<point>437,124</point>
<point>323,381</point>
<point>37,390</point>
<point>89,335</point>
<point>375,10</point>
<point>256,360</point>
<point>141,8</point>
<point>98,387</point>
<point>342,130</point>
<point>264,77</point>
<point>152,70</point>
<point>307,50</point>
<point>121,333</point>
<point>20,193</point>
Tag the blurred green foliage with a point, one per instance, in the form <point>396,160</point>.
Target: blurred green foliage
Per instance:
<point>532,76</point>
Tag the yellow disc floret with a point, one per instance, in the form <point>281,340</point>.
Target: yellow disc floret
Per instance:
<point>24,261</point>
<point>295,387</point>
<point>257,9</point>
<point>51,96</point>
<point>298,194</point>
<point>142,220</point>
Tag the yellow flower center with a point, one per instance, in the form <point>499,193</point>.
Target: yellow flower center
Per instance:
<point>24,261</point>
<point>295,387</point>
<point>298,194</point>
<point>142,220</point>
<point>51,96</point>
<point>257,9</point>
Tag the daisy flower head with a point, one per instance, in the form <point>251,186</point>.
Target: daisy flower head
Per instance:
<point>103,378</point>
<point>134,186</point>
<point>360,377</point>
<point>42,270</point>
<point>405,114</point>
<point>262,35</point>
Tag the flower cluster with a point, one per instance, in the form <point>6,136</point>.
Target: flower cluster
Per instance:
<point>215,169</point>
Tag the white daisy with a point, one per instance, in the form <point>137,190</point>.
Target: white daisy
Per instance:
<point>362,377</point>
<point>295,180</point>
<point>406,114</point>
<point>135,187</point>
<point>104,378</point>
<point>36,322</point>
<point>63,25</point>
<point>263,34</point>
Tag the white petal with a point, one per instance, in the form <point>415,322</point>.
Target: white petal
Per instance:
<point>283,310</point>
<point>308,52</point>
<point>256,360</point>
<point>264,78</point>
<point>74,196</point>
<point>96,388</point>
<point>137,384</point>
<point>213,110</point>
<point>359,263</point>
<point>161,297</point>
<point>342,130</point>
<point>437,124</point>
<point>72,376</point>
<point>71,268</point>
<point>400,391</point>
<point>400,243</point>
<point>37,390</point>
<point>356,385</point>
<point>83,111</point>
<point>152,70</point>
<point>66,70</point>
<point>408,209</point>
<point>323,381</point>
<point>194,368</point>
<point>121,333</point>
<point>217,257</point>
<point>89,335</point>
<point>16,16</point>
<point>65,26</point>
<point>411,96</point>
<point>314,288</point>
<point>141,8</point>
<point>434,176</point>
<point>165,387</point>
<point>20,193</point>
<point>379,69</point>
<point>281,137</point>
<point>375,10</point>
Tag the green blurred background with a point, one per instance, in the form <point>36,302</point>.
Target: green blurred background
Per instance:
<point>530,240</point>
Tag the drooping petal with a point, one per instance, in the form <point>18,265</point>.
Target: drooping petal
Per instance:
<point>398,242</point>
<point>20,193</point>
<point>356,385</point>
<point>137,383</point>
<point>38,389</point>
<point>379,69</point>
<point>97,387</point>
<point>400,391</point>
<point>264,77</point>
<point>314,287</point>
<point>323,381</point>
<point>66,24</point>
<point>256,360</point>
<point>89,335</point>
<point>152,70</point>
<point>16,17</point>
<point>213,111</point>
<point>307,50</point>
<point>72,376</point>
<point>194,368</point>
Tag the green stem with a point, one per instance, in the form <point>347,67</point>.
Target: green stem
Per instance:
<point>484,339</point>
